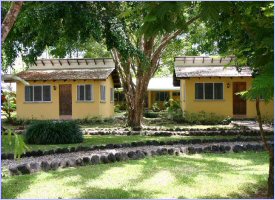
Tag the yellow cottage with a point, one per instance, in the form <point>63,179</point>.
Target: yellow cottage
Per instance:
<point>208,84</point>
<point>67,89</point>
<point>159,90</point>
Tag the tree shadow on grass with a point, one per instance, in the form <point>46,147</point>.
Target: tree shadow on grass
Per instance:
<point>98,193</point>
<point>249,191</point>
<point>183,169</point>
<point>15,185</point>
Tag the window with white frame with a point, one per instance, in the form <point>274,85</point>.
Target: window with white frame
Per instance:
<point>38,93</point>
<point>85,92</point>
<point>102,93</point>
<point>208,91</point>
<point>112,94</point>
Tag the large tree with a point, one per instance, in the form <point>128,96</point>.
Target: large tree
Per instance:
<point>10,19</point>
<point>246,30</point>
<point>136,33</point>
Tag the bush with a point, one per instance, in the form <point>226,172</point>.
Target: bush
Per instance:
<point>53,132</point>
<point>156,107</point>
<point>120,107</point>
<point>204,118</point>
<point>8,104</point>
<point>175,112</point>
<point>149,114</point>
<point>95,120</point>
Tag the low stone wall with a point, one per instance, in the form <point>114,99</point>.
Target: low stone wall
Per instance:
<point>132,144</point>
<point>45,165</point>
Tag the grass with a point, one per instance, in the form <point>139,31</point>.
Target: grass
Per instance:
<point>230,175</point>
<point>103,139</point>
<point>94,123</point>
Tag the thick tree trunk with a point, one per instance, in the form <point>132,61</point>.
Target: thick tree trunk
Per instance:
<point>135,115</point>
<point>10,19</point>
<point>270,192</point>
<point>136,102</point>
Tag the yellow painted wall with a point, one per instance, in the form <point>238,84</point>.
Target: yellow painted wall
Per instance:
<point>221,107</point>
<point>50,110</point>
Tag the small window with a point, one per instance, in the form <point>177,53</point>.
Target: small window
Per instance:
<point>199,91</point>
<point>46,93</point>
<point>102,93</point>
<point>88,92</point>
<point>38,93</point>
<point>112,94</point>
<point>209,91</point>
<point>28,93</point>
<point>85,92</point>
<point>208,87</point>
<point>162,96</point>
<point>218,88</point>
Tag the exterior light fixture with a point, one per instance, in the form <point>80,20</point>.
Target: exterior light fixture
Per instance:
<point>54,87</point>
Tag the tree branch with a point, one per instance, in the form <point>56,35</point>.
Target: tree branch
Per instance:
<point>171,36</point>
<point>10,19</point>
<point>259,118</point>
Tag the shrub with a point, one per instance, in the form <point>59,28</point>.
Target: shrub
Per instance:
<point>268,120</point>
<point>53,132</point>
<point>149,114</point>
<point>175,112</point>
<point>156,107</point>
<point>120,107</point>
<point>204,118</point>
<point>95,120</point>
<point>8,105</point>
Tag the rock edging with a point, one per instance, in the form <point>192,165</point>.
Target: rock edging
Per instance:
<point>38,153</point>
<point>28,168</point>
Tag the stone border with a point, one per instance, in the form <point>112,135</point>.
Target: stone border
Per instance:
<point>44,165</point>
<point>176,131</point>
<point>38,153</point>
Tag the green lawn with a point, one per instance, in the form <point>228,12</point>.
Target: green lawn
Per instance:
<point>103,139</point>
<point>230,175</point>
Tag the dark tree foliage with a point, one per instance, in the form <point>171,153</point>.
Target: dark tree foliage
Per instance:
<point>246,30</point>
<point>136,34</point>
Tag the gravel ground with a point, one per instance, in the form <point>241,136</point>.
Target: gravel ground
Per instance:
<point>59,157</point>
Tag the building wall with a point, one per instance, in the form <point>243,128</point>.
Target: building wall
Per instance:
<point>152,97</point>
<point>222,107</point>
<point>50,110</point>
